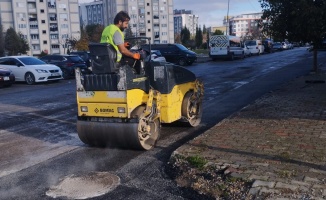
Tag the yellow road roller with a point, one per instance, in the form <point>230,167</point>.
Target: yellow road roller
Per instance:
<point>124,104</point>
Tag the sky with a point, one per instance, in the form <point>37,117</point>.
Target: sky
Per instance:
<point>212,12</point>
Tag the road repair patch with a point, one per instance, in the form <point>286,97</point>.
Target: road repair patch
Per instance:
<point>84,186</point>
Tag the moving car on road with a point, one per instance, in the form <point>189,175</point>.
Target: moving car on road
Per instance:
<point>30,69</point>
<point>7,78</point>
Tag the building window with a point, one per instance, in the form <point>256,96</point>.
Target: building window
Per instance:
<point>21,25</point>
<point>55,46</point>
<point>147,4</point>
<point>148,21</point>
<point>21,5</point>
<point>45,42</point>
<point>164,25</point>
<point>148,13</point>
<point>64,26</point>
<point>34,36</point>
<point>149,30</point>
<point>54,36</point>
<point>42,10</point>
<point>43,21</point>
<point>41,1</point>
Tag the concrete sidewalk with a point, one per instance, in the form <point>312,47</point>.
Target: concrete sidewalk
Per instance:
<point>274,148</point>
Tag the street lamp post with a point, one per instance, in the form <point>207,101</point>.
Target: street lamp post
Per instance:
<point>227,19</point>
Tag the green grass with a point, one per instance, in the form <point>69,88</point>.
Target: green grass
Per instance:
<point>196,161</point>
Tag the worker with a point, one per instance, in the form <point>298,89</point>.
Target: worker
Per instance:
<point>113,34</point>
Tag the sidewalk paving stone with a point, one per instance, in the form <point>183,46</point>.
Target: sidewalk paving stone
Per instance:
<point>276,144</point>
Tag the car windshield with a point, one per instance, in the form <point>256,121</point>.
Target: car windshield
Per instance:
<point>76,59</point>
<point>250,43</point>
<point>181,47</point>
<point>31,61</point>
<point>158,53</point>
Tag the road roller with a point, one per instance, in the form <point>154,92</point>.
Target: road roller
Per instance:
<point>123,104</point>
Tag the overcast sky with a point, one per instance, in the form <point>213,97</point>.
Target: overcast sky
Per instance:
<point>211,12</point>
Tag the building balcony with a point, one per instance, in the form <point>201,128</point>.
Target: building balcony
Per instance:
<point>55,51</point>
<point>54,41</point>
<point>36,51</point>
<point>32,10</point>
<point>35,41</point>
<point>33,31</point>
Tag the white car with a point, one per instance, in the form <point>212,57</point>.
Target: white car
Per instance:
<point>156,56</point>
<point>30,69</point>
<point>255,46</point>
<point>246,51</point>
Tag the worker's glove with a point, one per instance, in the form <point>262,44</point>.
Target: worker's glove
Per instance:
<point>136,56</point>
<point>127,45</point>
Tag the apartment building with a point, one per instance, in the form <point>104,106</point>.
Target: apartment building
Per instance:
<point>243,24</point>
<point>185,18</point>
<point>45,24</point>
<point>149,18</point>
<point>92,13</point>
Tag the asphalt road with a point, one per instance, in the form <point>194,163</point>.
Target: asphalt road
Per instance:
<point>39,144</point>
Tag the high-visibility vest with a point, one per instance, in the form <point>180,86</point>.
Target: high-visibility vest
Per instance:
<point>107,37</point>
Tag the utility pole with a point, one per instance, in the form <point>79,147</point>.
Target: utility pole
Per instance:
<point>227,19</point>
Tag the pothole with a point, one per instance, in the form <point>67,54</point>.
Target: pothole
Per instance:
<point>84,186</point>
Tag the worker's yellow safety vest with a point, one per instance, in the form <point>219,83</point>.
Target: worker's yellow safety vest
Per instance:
<point>107,37</point>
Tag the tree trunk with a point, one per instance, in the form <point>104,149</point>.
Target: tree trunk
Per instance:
<point>314,67</point>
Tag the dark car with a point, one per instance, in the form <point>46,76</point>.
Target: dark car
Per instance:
<point>175,53</point>
<point>268,44</point>
<point>84,55</point>
<point>67,63</point>
<point>7,78</point>
<point>277,46</point>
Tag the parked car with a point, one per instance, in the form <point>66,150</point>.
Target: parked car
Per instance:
<point>30,69</point>
<point>277,46</point>
<point>84,55</point>
<point>67,63</point>
<point>246,51</point>
<point>7,78</point>
<point>256,47</point>
<point>175,53</point>
<point>268,45</point>
<point>156,56</point>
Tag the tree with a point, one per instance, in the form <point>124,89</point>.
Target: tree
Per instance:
<point>177,38</point>
<point>218,32</point>
<point>204,29</point>
<point>24,46</point>
<point>82,43</point>
<point>94,32</point>
<point>128,32</point>
<point>2,42</point>
<point>12,42</point>
<point>296,20</point>
<point>185,36</point>
<point>199,37</point>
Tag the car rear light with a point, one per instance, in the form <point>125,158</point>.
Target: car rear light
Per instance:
<point>70,64</point>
